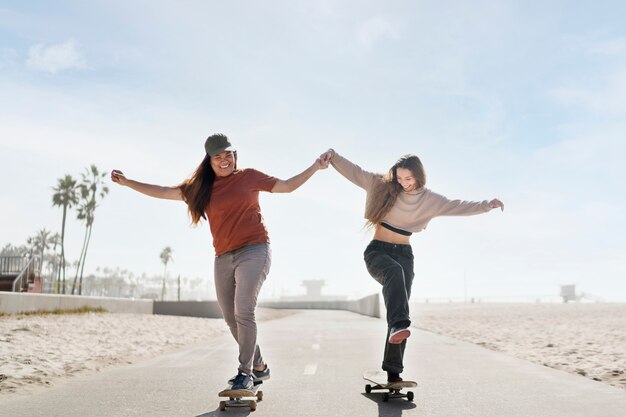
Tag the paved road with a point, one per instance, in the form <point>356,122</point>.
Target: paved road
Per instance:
<point>317,358</point>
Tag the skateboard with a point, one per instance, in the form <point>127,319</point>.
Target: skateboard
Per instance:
<point>241,398</point>
<point>379,379</point>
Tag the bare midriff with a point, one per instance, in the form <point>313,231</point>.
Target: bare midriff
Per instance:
<point>388,236</point>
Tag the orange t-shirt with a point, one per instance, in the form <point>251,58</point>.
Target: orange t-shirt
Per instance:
<point>234,213</point>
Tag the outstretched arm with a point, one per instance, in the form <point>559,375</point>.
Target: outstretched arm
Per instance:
<point>287,186</point>
<point>445,207</point>
<point>351,171</point>
<point>157,191</point>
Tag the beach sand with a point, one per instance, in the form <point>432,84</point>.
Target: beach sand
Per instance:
<point>37,350</point>
<point>588,339</point>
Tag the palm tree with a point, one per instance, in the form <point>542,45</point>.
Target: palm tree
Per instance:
<point>10,250</point>
<point>65,195</point>
<point>92,188</point>
<point>55,240</point>
<point>166,257</point>
<point>41,242</point>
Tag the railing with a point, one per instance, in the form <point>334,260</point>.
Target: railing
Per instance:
<point>21,282</point>
<point>24,268</point>
<point>12,264</point>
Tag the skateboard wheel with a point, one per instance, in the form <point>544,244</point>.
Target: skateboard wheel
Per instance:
<point>385,397</point>
<point>409,396</point>
<point>252,405</point>
<point>222,405</point>
<point>259,395</point>
<point>368,388</point>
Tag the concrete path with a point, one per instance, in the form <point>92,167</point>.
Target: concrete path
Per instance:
<point>317,358</point>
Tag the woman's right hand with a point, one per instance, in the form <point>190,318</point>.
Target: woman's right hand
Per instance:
<point>118,177</point>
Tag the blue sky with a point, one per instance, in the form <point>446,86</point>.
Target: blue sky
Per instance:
<point>524,101</point>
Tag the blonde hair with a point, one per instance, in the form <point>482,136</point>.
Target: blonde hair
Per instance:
<point>386,190</point>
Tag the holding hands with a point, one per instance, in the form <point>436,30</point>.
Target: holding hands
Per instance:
<point>327,156</point>
<point>321,163</point>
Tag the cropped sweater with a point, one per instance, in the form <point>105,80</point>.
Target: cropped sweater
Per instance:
<point>414,210</point>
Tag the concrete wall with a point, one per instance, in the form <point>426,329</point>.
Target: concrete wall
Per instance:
<point>368,306</point>
<point>206,309</point>
<point>27,302</point>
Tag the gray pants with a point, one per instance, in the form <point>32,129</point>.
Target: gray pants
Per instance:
<point>239,275</point>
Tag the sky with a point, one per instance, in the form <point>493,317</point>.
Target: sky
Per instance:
<point>516,100</point>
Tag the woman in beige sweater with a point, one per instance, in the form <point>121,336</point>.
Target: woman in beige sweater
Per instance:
<point>397,205</point>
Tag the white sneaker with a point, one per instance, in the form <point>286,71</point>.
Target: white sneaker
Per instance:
<point>397,335</point>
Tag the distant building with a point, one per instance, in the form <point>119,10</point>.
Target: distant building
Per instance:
<point>313,287</point>
<point>313,292</point>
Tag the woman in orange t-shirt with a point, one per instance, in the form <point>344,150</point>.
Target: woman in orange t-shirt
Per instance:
<point>229,199</point>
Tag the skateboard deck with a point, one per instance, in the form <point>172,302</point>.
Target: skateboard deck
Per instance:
<point>394,389</point>
<point>241,398</point>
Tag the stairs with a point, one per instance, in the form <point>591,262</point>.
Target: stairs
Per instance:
<point>22,269</point>
<point>6,282</point>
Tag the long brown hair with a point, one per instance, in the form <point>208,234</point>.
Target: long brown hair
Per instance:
<point>197,189</point>
<point>386,190</point>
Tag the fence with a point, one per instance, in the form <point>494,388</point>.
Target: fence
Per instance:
<point>10,265</point>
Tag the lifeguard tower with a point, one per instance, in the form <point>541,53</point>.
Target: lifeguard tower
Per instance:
<point>313,288</point>
<point>568,293</point>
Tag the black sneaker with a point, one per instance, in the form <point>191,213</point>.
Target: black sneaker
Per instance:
<point>259,376</point>
<point>393,377</point>
<point>242,381</point>
<point>398,334</point>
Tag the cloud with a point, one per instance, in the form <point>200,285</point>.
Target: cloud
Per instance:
<point>377,28</point>
<point>612,47</point>
<point>611,99</point>
<point>55,58</point>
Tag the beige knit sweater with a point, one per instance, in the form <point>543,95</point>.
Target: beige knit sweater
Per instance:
<point>411,211</point>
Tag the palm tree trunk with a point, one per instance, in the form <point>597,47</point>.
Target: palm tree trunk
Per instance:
<point>55,273</point>
<point>62,271</point>
<point>41,261</point>
<point>80,260</point>
<point>163,286</point>
<point>82,268</point>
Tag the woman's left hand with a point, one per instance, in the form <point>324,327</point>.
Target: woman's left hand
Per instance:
<point>495,203</point>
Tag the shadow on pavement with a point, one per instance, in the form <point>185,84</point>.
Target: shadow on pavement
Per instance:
<point>391,408</point>
<point>229,412</point>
